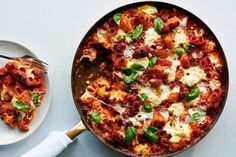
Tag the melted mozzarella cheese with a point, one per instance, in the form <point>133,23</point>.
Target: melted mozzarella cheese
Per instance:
<point>101,35</point>
<point>176,89</point>
<point>152,95</point>
<point>141,148</point>
<point>148,9</point>
<point>143,116</point>
<point>143,61</point>
<point>171,71</point>
<point>180,37</point>
<point>29,73</point>
<point>214,60</point>
<point>214,84</point>
<point>194,102</point>
<point>183,23</point>
<point>165,92</point>
<point>178,130</point>
<point>119,35</point>
<point>119,108</point>
<point>202,86</point>
<point>192,76</point>
<point>150,36</point>
<point>192,111</point>
<point>176,108</point>
<point>128,51</point>
<point>165,114</point>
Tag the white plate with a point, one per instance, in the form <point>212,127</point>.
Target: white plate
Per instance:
<point>12,135</point>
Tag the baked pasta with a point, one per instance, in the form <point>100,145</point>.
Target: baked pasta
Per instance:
<point>22,88</point>
<point>164,84</point>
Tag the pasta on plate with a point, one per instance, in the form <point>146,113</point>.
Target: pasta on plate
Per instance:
<point>22,88</point>
<point>164,86</point>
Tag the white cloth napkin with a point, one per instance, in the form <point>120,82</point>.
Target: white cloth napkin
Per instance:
<point>55,143</point>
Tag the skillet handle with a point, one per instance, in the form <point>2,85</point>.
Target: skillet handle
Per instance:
<point>56,142</point>
<point>76,130</point>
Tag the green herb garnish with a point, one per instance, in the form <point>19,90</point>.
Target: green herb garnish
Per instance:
<point>137,67</point>
<point>179,51</point>
<point>95,117</point>
<point>131,78</point>
<point>144,96</point>
<point>21,106</point>
<point>188,47</point>
<point>158,24</point>
<point>116,17</point>
<point>35,97</point>
<point>137,32</point>
<point>129,134</point>
<point>153,61</point>
<point>151,134</point>
<point>193,94</point>
<point>147,108</point>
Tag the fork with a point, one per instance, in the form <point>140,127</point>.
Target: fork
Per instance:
<point>35,61</point>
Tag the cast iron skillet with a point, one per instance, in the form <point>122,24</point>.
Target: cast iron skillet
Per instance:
<point>82,71</point>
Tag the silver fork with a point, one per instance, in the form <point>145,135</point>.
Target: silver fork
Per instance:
<point>35,61</point>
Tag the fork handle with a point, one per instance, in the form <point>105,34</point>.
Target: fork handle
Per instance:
<point>6,57</point>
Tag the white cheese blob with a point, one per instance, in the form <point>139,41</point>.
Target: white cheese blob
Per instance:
<point>171,71</point>
<point>152,95</point>
<point>194,102</point>
<point>128,51</point>
<point>214,84</point>
<point>150,36</point>
<point>192,111</point>
<point>148,9</point>
<point>180,37</point>
<point>165,114</point>
<point>119,35</point>
<point>192,76</point>
<point>176,108</point>
<point>119,108</point>
<point>143,61</point>
<point>101,35</point>
<point>183,23</point>
<point>178,130</point>
<point>202,86</point>
<point>214,60</point>
<point>165,92</point>
<point>176,89</point>
<point>142,116</point>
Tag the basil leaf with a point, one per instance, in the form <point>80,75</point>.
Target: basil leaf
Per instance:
<point>95,117</point>
<point>126,71</point>
<point>21,106</point>
<point>35,97</point>
<point>179,51</point>
<point>137,32</point>
<point>150,133</point>
<point>197,116</point>
<point>131,78</point>
<point>194,93</point>
<point>188,47</point>
<point>144,96</point>
<point>129,134</point>
<point>134,75</point>
<point>158,24</point>
<point>137,67</point>
<point>147,108</point>
<point>153,61</point>
<point>20,116</point>
<point>129,34</point>
<point>116,17</point>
